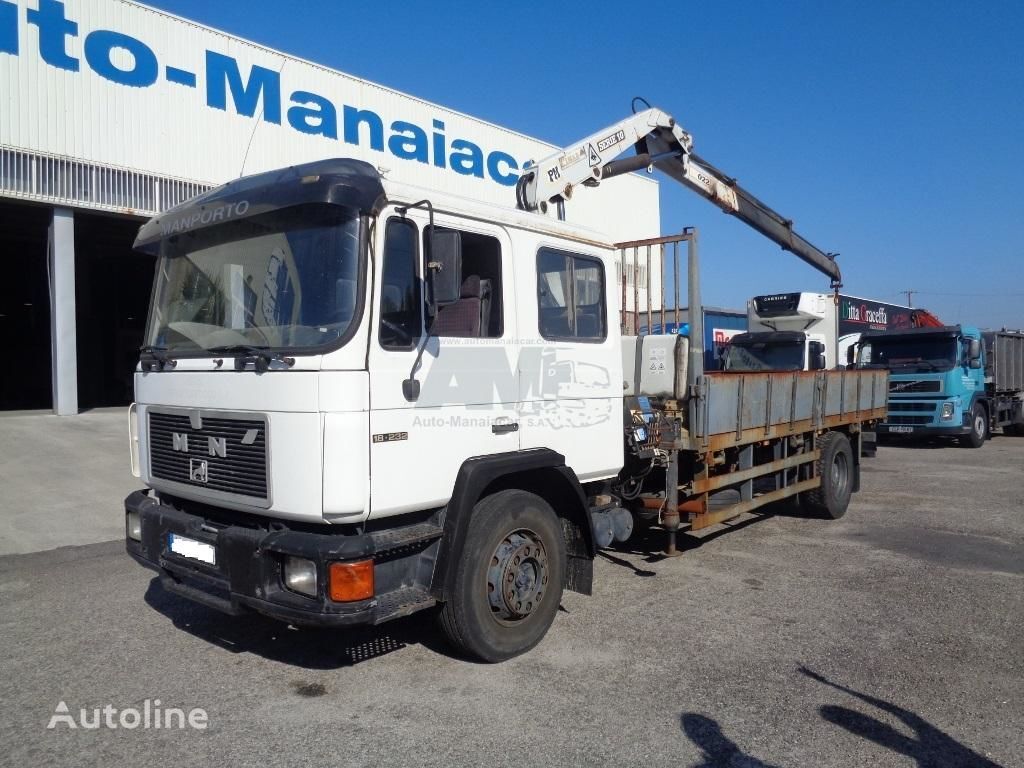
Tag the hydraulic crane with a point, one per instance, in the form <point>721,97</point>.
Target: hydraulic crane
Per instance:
<point>660,142</point>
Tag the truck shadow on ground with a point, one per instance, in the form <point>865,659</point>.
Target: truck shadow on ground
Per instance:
<point>309,648</point>
<point>717,750</point>
<point>649,544</point>
<point>929,746</point>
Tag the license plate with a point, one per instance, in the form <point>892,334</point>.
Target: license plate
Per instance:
<point>192,549</point>
<point>902,430</point>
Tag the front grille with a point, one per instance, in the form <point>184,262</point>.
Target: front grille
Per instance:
<point>908,420</point>
<point>932,385</point>
<point>177,452</point>
<point>896,405</point>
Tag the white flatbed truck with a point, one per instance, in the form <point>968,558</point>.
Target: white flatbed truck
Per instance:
<point>359,399</point>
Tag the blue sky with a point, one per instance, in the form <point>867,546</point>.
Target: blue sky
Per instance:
<point>891,132</point>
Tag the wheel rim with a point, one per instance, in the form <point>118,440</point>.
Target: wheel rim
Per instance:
<point>517,578</point>
<point>840,475</point>
<point>979,424</point>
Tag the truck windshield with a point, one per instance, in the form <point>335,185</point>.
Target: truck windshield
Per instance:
<point>916,354</point>
<point>283,280</point>
<point>764,357</point>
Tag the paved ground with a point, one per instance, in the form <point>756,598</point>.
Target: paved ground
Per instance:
<point>889,638</point>
<point>63,479</point>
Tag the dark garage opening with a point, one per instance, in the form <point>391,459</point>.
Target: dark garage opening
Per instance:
<point>112,287</point>
<point>24,308</point>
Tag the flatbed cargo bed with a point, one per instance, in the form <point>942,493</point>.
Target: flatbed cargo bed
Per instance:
<point>740,408</point>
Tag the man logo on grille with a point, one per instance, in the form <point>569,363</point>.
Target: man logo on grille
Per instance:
<point>215,446</point>
<point>198,470</point>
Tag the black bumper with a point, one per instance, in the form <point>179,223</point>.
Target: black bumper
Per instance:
<point>922,430</point>
<point>248,574</point>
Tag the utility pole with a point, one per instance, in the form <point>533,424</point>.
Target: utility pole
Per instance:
<point>910,296</point>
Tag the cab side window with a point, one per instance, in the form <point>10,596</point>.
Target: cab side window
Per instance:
<point>479,310</point>
<point>401,323</point>
<point>570,296</point>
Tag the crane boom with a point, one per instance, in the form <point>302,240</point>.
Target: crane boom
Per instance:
<point>660,142</point>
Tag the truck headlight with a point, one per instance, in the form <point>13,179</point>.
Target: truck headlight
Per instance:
<point>133,439</point>
<point>133,526</point>
<point>947,411</point>
<point>300,575</point>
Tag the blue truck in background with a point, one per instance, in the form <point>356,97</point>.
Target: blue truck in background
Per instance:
<point>952,381</point>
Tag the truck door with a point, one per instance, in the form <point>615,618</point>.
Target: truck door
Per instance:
<point>571,374</point>
<point>466,404</point>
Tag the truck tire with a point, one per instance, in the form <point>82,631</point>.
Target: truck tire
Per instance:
<point>508,584</point>
<point>835,468</point>
<point>979,427</point>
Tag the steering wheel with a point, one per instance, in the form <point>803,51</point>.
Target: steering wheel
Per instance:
<point>396,328</point>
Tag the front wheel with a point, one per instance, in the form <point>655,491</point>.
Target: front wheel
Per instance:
<point>508,584</point>
<point>835,468</point>
<point>979,426</point>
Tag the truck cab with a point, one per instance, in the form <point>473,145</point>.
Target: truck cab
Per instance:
<point>936,381</point>
<point>786,329</point>
<point>332,363</point>
<point>775,351</point>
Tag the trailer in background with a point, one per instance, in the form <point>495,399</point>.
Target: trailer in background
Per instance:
<point>1004,378</point>
<point>720,325</point>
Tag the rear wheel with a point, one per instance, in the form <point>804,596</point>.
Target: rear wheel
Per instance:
<point>508,584</point>
<point>835,468</point>
<point>979,426</point>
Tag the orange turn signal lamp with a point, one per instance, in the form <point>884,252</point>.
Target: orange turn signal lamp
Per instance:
<point>348,582</point>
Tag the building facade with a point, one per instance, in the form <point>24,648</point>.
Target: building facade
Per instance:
<point>111,111</point>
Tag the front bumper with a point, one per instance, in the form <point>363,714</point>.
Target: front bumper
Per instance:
<point>923,430</point>
<point>248,574</point>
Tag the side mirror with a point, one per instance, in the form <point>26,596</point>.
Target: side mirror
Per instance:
<point>816,352</point>
<point>444,268</point>
<point>974,351</point>
<point>975,362</point>
<point>851,355</point>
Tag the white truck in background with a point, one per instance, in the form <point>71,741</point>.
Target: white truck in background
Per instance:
<point>813,331</point>
<point>360,399</point>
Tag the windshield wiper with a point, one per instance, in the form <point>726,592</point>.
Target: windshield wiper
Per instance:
<point>261,357</point>
<point>155,358</point>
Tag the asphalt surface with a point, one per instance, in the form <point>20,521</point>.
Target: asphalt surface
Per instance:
<point>62,479</point>
<point>892,637</point>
